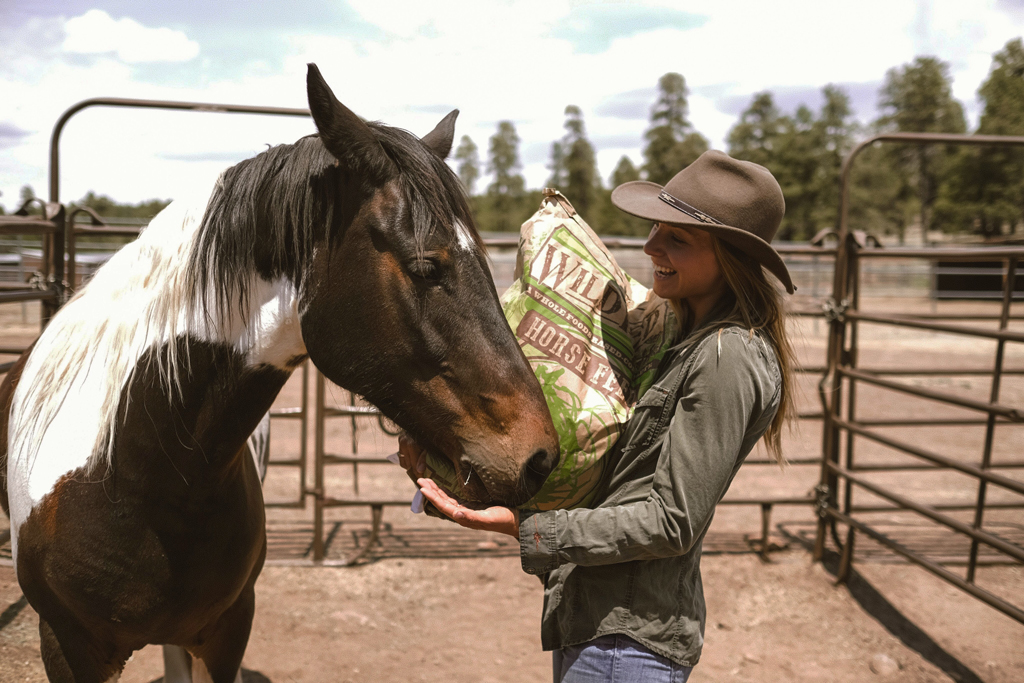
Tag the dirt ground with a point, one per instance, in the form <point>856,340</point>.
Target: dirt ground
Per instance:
<point>435,603</point>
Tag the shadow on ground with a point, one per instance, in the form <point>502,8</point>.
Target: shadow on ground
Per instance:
<point>894,621</point>
<point>248,676</point>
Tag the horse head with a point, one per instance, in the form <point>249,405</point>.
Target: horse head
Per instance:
<point>397,304</point>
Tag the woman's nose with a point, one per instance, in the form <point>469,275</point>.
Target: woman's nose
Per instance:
<point>652,246</point>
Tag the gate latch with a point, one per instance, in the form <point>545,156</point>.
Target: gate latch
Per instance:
<point>834,311</point>
<point>821,494</point>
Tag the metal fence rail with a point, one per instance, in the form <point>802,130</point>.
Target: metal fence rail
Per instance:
<point>323,500</point>
<point>47,284</point>
<point>842,475</point>
<point>850,265</point>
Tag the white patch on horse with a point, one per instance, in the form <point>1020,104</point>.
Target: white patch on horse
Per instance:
<point>63,411</point>
<point>466,241</point>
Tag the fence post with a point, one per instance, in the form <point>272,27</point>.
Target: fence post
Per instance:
<point>990,423</point>
<point>318,470</point>
<point>53,261</point>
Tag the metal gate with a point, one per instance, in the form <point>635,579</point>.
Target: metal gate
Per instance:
<point>62,235</point>
<point>351,455</point>
<point>845,432</point>
<point>841,472</point>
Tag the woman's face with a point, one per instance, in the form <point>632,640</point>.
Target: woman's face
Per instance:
<point>685,266</point>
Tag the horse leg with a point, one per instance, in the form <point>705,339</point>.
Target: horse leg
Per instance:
<point>200,674</point>
<point>177,665</point>
<point>72,657</point>
<point>219,658</point>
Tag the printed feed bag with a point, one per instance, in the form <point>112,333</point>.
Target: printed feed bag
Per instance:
<point>594,337</point>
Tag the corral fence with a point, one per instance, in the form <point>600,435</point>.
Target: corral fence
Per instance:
<point>852,266</point>
<point>847,478</point>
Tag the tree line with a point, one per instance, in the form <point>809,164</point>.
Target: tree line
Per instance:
<point>956,189</point>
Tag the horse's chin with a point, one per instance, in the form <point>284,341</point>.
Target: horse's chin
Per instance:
<point>466,497</point>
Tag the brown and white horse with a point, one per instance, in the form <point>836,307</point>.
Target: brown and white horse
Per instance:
<point>136,511</point>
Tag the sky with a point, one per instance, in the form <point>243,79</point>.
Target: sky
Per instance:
<point>409,62</point>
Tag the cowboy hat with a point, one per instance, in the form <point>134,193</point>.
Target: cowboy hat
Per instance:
<point>737,201</point>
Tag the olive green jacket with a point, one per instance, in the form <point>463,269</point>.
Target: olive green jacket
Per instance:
<point>631,564</point>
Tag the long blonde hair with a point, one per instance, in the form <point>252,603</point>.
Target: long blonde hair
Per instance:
<point>757,305</point>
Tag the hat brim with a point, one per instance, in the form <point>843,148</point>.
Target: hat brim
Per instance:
<point>640,198</point>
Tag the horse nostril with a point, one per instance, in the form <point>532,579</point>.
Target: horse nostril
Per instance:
<point>537,469</point>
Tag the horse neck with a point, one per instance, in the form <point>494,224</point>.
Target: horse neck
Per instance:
<point>225,374</point>
<point>265,331</point>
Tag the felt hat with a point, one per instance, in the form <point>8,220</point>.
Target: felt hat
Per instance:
<point>737,201</point>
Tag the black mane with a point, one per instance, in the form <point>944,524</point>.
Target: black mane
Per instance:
<point>266,213</point>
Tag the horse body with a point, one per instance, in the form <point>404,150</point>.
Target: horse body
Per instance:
<point>184,496</point>
<point>136,509</point>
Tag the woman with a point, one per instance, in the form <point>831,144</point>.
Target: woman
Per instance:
<point>623,598</point>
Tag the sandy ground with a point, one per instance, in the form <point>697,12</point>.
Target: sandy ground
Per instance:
<point>438,604</point>
<point>476,620</point>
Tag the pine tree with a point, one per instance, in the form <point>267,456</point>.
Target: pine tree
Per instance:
<point>507,189</point>
<point>984,188</point>
<point>468,164</point>
<point>672,144</point>
<point>755,135</point>
<point>834,134</point>
<point>612,220</point>
<point>625,172</point>
<point>918,98</point>
<point>557,166</point>
<point>581,178</point>
<point>803,151</point>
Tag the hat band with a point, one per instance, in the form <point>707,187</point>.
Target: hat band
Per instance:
<point>690,211</point>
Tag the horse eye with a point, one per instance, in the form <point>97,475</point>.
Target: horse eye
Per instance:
<point>425,268</point>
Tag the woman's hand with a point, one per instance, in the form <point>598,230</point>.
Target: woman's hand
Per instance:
<point>411,456</point>
<point>501,519</point>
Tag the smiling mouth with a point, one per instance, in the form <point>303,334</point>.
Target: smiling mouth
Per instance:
<point>660,271</point>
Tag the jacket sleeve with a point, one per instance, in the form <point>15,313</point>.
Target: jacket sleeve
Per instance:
<point>719,399</point>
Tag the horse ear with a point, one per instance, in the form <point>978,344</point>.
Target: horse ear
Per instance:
<point>344,134</point>
<point>440,139</point>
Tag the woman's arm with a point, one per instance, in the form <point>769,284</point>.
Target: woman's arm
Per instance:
<point>719,401</point>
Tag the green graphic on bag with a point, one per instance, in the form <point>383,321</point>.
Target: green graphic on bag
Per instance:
<point>594,337</point>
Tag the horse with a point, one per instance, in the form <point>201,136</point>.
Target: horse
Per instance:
<point>136,511</point>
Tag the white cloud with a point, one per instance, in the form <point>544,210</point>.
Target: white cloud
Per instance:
<point>493,60</point>
<point>96,32</point>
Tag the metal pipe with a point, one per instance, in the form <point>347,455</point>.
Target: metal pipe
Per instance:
<point>931,513</point>
<point>851,388</point>
<point>1012,465</point>
<point>949,507</point>
<point>999,480</point>
<point>938,372</point>
<point>27,295</point>
<point>983,595</point>
<point>318,467</point>
<point>303,432</point>
<point>1001,334</point>
<point>145,104</point>
<point>943,253</point>
<point>829,390</point>
<point>990,427</point>
<point>355,443</point>
<point>994,408</point>
<point>766,523</point>
<point>16,225</point>
<point>830,386</point>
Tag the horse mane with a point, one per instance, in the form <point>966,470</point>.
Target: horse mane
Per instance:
<point>187,275</point>
<point>268,212</point>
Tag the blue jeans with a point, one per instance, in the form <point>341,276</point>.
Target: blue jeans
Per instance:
<point>615,659</point>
